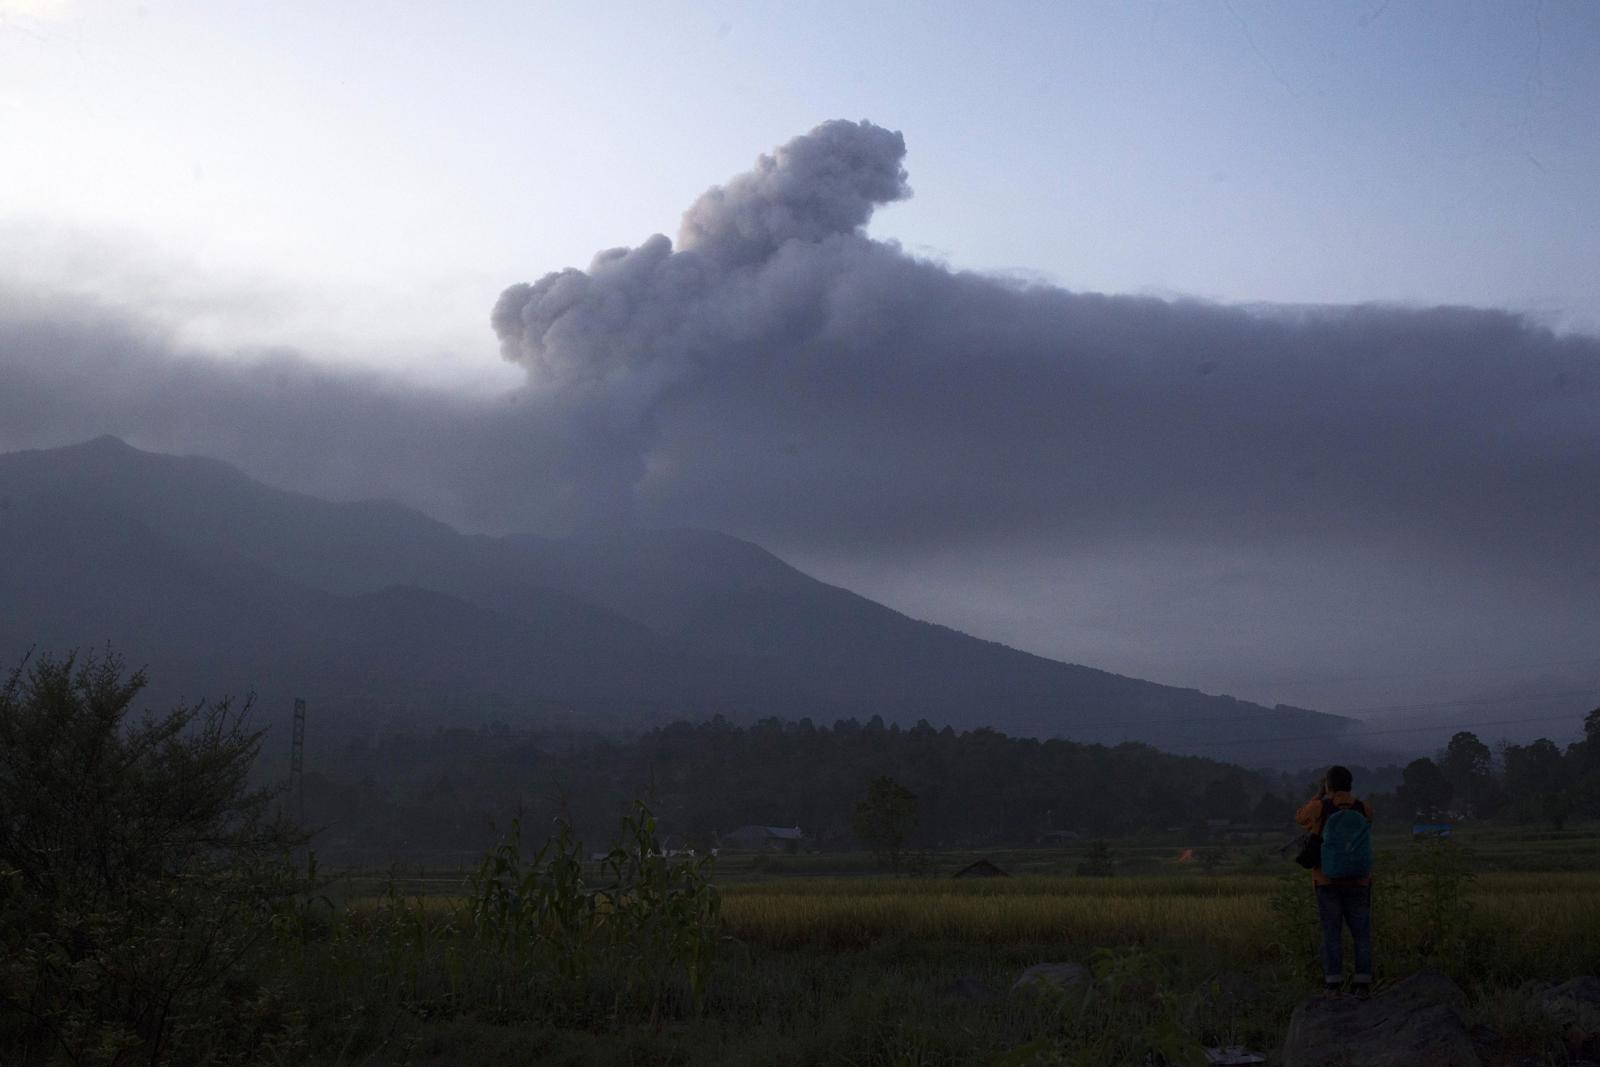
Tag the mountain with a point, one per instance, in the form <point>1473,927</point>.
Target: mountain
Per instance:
<point>218,583</point>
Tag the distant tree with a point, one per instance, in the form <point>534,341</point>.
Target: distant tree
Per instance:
<point>1163,803</point>
<point>138,867</point>
<point>1556,809</point>
<point>1271,810</point>
<point>1586,767</point>
<point>1225,798</point>
<point>885,818</point>
<point>1465,759</point>
<point>1588,756</point>
<point>1468,766</point>
<point>1424,791</point>
<point>1534,774</point>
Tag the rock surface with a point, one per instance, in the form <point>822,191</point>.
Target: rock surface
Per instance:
<point>968,989</point>
<point>1414,1023</point>
<point>1573,995</point>
<point>1052,978</point>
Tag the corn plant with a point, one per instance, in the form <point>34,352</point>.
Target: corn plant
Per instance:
<point>650,920</point>
<point>537,910</point>
<point>665,916</point>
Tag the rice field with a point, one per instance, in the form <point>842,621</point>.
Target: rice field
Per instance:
<point>1068,911</point>
<point>1533,923</point>
<point>1538,923</point>
<point>1518,911</point>
<point>830,967</point>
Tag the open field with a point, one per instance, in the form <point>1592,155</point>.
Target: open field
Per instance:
<point>1516,925</point>
<point>1495,848</point>
<point>824,967</point>
<point>1524,922</point>
<point>1230,914</point>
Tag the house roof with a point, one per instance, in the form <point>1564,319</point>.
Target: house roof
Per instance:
<point>981,869</point>
<point>774,833</point>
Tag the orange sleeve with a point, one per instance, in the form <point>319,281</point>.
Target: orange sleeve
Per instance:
<point>1309,815</point>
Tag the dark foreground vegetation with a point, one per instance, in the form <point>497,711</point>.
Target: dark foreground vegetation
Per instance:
<point>153,909</point>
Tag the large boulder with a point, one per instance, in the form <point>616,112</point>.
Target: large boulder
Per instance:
<point>1575,1006</point>
<point>1572,997</point>
<point>1052,978</point>
<point>1414,1023</point>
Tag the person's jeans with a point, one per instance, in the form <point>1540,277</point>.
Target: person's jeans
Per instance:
<point>1337,907</point>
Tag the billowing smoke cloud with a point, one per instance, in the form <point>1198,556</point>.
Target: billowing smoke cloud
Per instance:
<point>1228,497</point>
<point>815,187</point>
<point>605,345</point>
<point>782,373</point>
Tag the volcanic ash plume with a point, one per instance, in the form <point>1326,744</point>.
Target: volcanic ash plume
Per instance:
<point>751,273</point>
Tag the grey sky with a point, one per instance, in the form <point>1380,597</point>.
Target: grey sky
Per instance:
<point>381,169</point>
<point>217,212</point>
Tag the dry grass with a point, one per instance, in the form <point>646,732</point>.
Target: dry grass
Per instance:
<point>1528,914</point>
<point>1521,920</point>
<point>844,920</point>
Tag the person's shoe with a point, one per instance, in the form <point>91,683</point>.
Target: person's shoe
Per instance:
<point>1332,989</point>
<point>1362,990</point>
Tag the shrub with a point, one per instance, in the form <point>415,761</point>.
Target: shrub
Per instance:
<point>138,871</point>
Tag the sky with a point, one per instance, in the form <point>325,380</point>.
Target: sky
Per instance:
<point>1279,458</point>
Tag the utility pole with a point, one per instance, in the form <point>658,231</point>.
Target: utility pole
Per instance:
<point>297,761</point>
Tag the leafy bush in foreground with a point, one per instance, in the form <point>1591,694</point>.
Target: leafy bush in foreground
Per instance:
<point>138,872</point>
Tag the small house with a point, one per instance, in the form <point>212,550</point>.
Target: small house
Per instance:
<point>981,869</point>
<point>764,838</point>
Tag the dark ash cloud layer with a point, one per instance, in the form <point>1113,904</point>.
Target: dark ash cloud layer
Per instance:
<point>779,374</point>
<point>782,373</point>
<point>71,370</point>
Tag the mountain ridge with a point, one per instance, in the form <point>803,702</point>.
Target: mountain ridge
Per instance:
<point>400,616</point>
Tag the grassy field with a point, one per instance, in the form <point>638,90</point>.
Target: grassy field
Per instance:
<point>1514,925</point>
<point>826,961</point>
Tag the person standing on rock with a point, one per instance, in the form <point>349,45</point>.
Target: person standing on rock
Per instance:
<point>1342,877</point>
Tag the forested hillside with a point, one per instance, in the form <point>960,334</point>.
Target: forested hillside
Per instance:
<point>446,792</point>
<point>433,792</point>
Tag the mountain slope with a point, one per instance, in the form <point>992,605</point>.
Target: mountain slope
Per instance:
<point>718,593</point>
<point>220,582</point>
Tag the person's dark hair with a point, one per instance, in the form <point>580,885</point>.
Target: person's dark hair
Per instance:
<point>1340,779</point>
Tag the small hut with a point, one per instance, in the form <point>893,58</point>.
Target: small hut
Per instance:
<point>981,869</point>
<point>764,838</point>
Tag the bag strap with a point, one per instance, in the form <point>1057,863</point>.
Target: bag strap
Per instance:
<point>1329,807</point>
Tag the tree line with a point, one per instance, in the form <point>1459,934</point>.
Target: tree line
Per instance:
<point>425,793</point>
<point>1534,783</point>
<point>412,793</point>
